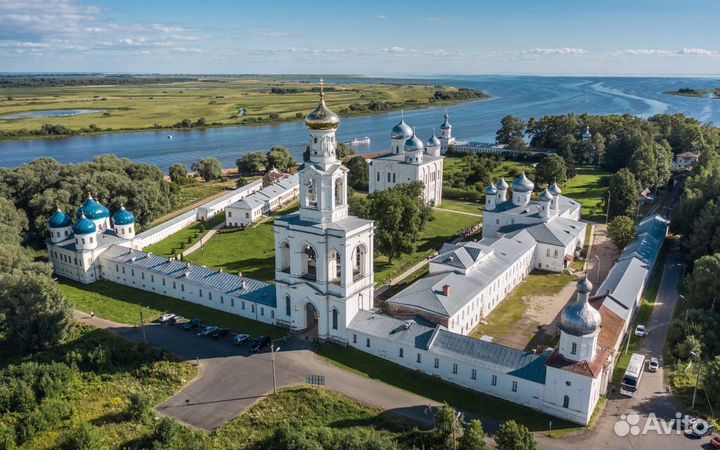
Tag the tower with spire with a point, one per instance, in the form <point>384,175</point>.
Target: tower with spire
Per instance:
<point>446,137</point>
<point>323,256</point>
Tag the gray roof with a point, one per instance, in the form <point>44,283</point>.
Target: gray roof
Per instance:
<point>623,285</point>
<point>258,198</point>
<point>417,335</point>
<point>558,231</point>
<point>492,356</point>
<point>532,209</point>
<point>230,284</point>
<point>486,260</point>
<point>348,223</point>
<point>104,239</point>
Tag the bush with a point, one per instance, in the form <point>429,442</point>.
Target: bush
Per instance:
<point>167,434</point>
<point>33,425</point>
<point>55,411</point>
<point>85,437</point>
<point>140,407</point>
<point>7,438</point>
<point>22,397</point>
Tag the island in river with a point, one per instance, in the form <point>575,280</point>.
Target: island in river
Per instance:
<point>700,93</point>
<point>63,105</point>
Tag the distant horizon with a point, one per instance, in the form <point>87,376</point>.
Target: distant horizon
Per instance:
<point>359,75</point>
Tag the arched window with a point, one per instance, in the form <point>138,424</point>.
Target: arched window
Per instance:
<point>335,267</point>
<point>335,319</point>
<point>285,256</point>
<point>309,262</point>
<point>339,191</point>
<point>287,305</point>
<point>566,402</point>
<point>360,262</point>
<point>311,193</point>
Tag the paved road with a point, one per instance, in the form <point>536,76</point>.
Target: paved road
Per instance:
<point>465,213</point>
<point>651,396</point>
<point>231,379</point>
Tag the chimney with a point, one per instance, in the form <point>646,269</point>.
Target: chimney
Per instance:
<point>446,290</point>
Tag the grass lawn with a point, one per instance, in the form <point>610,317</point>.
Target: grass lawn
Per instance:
<point>483,405</point>
<point>456,205</point>
<point>99,394</point>
<point>586,188</point>
<point>220,100</point>
<point>507,169</point>
<point>122,304</point>
<point>509,315</point>
<point>250,251</point>
<point>185,238</point>
<point>444,227</point>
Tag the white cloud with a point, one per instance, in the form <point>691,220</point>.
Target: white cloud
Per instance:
<point>381,17</point>
<point>394,50</point>
<point>665,53</point>
<point>273,34</point>
<point>557,51</point>
<point>698,52</point>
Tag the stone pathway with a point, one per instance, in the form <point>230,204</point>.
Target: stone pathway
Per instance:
<point>203,240</point>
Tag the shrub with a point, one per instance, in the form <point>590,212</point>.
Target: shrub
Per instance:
<point>7,438</point>
<point>140,407</point>
<point>33,425</point>
<point>22,397</point>
<point>85,437</point>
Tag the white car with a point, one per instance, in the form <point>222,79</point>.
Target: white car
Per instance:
<point>653,365</point>
<point>640,330</point>
<point>240,338</point>
<point>166,317</point>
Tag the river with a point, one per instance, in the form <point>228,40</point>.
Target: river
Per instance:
<point>523,96</point>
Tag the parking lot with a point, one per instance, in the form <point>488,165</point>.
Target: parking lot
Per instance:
<point>231,378</point>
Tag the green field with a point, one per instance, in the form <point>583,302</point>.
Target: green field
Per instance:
<point>586,187</point>
<point>220,101</point>
<point>472,403</point>
<point>185,238</point>
<point>507,169</point>
<point>122,304</point>
<point>456,205</point>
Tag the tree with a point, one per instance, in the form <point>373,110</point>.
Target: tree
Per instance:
<point>551,169</point>
<point>240,182</point>
<point>621,231</point>
<point>643,165</point>
<point>513,436</point>
<point>705,231</point>
<point>704,283</point>
<point>178,173</point>
<point>84,437</point>
<point>140,407</point>
<point>252,163</point>
<point>448,425</point>
<point>13,222</point>
<point>208,168</point>
<point>401,215</point>
<point>712,380</point>
<point>663,162</point>
<point>359,173</point>
<point>34,314</point>
<point>280,158</point>
<point>511,129</point>
<point>343,151</point>
<point>473,438</point>
<point>623,193</point>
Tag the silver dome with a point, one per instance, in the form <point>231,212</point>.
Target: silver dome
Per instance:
<point>546,196</point>
<point>446,122</point>
<point>414,144</point>
<point>401,131</point>
<point>433,141</point>
<point>502,184</point>
<point>579,318</point>
<point>555,189</point>
<point>523,184</point>
<point>491,190</point>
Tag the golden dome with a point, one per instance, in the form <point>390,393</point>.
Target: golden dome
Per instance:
<point>321,118</point>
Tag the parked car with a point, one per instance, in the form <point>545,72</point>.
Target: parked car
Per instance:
<point>192,324</point>
<point>260,343</point>
<point>165,317</point>
<point>653,365</point>
<point>174,319</point>
<point>240,338</point>
<point>715,441</point>
<point>702,428</point>
<point>206,331</point>
<point>219,333</point>
<point>640,330</point>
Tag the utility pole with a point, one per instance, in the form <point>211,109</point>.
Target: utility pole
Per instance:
<point>142,325</point>
<point>697,380</point>
<point>607,209</point>
<point>273,350</point>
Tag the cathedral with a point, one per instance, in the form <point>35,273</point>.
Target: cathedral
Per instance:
<point>410,159</point>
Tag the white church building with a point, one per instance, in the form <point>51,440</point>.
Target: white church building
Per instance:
<point>412,160</point>
<point>324,282</point>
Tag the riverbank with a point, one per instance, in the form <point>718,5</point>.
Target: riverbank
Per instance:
<point>203,104</point>
<point>697,93</point>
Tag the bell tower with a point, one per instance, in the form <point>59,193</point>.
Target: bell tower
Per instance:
<point>323,257</point>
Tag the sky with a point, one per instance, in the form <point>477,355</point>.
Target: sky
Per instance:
<point>367,37</point>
